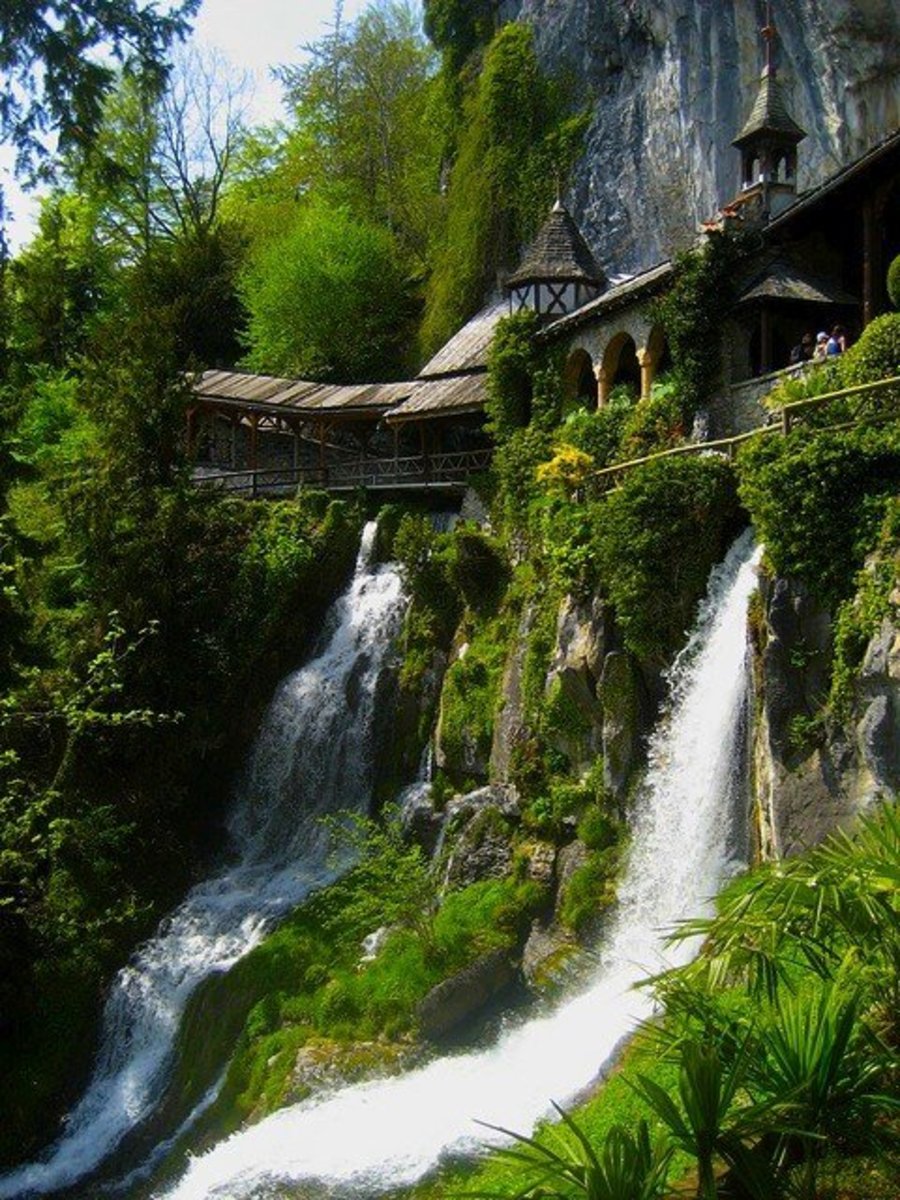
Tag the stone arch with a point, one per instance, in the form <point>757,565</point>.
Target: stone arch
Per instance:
<point>654,358</point>
<point>579,381</point>
<point>620,365</point>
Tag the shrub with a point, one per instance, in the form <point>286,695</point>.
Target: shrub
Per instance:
<point>818,501</point>
<point>511,366</point>
<point>875,356</point>
<point>656,539</point>
<point>478,570</point>
<point>893,282</point>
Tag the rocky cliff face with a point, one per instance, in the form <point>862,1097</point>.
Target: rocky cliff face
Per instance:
<point>670,83</point>
<point>811,774</point>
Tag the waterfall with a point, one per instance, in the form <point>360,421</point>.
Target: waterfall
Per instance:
<point>312,756</point>
<point>374,1136</point>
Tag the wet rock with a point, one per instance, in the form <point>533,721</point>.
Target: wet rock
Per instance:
<point>481,849</point>
<point>509,725</point>
<point>568,861</point>
<point>548,948</point>
<point>465,994</point>
<point>419,820</point>
<point>540,862</point>
<point>324,1064</point>
<point>573,679</point>
<point>620,693</point>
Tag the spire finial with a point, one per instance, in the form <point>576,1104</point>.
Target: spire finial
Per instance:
<point>769,33</point>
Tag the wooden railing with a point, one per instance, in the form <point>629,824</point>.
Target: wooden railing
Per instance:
<point>440,470</point>
<point>783,421</point>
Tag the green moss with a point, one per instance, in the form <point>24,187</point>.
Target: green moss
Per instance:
<point>470,699</point>
<point>591,891</point>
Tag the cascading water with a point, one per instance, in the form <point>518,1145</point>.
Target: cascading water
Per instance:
<point>312,756</point>
<point>378,1135</point>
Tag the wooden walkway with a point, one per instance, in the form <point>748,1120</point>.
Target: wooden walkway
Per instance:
<point>862,400</point>
<point>449,472</point>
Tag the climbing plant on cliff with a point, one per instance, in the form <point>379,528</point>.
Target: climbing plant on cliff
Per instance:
<point>691,314</point>
<point>518,134</point>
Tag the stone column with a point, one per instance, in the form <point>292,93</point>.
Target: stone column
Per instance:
<point>645,362</point>
<point>603,385</point>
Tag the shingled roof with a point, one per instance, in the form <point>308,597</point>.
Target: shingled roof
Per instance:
<point>770,113</point>
<point>558,252</point>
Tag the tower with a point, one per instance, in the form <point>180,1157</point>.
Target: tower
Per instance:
<point>768,142</point>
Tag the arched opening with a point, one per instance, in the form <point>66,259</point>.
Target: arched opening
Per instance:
<point>579,382</point>
<point>620,366</point>
<point>658,356</point>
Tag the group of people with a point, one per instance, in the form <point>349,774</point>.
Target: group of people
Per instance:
<point>819,347</point>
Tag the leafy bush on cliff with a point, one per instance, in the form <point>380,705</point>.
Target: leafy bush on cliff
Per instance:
<point>817,501</point>
<point>876,355</point>
<point>657,537</point>
<point>893,281</point>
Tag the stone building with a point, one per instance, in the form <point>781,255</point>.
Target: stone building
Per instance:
<point>820,259</point>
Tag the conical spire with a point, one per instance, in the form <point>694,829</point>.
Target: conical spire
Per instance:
<point>559,252</point>
<point>769,118</point>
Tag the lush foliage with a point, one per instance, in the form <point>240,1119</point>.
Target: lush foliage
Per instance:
<point>658,538</point>
<point>876,355</point>
<point>328,300</point>
<point>893,282</point>
<point>516,135</point>
<point>690,313</point>
<point>773,1071</point>
<point>53,75</point>
<point>818,502</point>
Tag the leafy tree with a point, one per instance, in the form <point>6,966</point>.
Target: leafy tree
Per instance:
<point>53,75</point>
<point>56,285</point>
<point>161,159</point>
<point>329,300</point>
<point>458,27</point>
<point>367,124</point>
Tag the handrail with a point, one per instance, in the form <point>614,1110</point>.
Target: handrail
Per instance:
<point>451,468</point>
<point>786,411</point>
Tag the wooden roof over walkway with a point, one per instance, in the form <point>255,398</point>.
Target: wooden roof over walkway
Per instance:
<point>452,384</point>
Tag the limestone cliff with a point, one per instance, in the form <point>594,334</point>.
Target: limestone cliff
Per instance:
<point>811,772</point>
<point>670,83</point>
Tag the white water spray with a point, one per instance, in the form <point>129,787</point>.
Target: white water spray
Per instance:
<point>387,1133</point>
<point>312,756</point>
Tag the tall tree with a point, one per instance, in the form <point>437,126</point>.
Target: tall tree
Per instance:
<point>58,62</point>
<point>367,130</point>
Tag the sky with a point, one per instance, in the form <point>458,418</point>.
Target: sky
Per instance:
<point>254,35</point>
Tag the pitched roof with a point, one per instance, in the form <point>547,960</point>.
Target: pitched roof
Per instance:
<point>301,396</point>
<point>446,396</point>
<point>770,113</point>
<point>558,252</point>
<point>617,296</point>
<point>467,349</point>
<point>783,280</point>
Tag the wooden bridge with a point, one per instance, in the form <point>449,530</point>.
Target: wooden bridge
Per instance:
<point>451,472</point>
<point>436,472</point>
